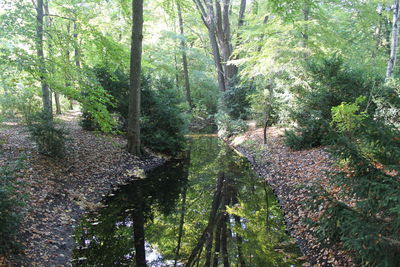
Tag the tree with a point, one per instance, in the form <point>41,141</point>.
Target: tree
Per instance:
<point>134,95</point>
<point>216,18</point>
<point>394,43</point>
<point>184,57</point>
<point>46,97</point>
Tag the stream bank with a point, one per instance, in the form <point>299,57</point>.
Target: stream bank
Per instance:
<point>60,192</point>
<point>289,173</point>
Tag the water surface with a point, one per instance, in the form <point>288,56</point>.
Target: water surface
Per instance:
<point>206,209</point>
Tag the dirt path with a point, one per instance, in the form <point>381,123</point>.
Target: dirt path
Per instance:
<point>60,191</point>
<point>289,173</point>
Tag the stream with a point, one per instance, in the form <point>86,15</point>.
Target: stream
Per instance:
<point>208,208</point>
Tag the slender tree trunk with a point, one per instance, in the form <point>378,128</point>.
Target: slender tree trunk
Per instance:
<point>76,46</point>
<point>67,58</point>
<point>207,15</point>
<point>394,43</point>
<point>57,101</point>
<point>184,58</point>
<point>133,133</point>
<point>306,13</point>
<point>268,112</point>
<point>47,110</point>
<point>217,60</point>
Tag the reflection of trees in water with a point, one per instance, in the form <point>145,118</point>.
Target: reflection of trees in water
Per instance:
<point>206,210</point>
<point>115,234</point>
<point>218,230</point>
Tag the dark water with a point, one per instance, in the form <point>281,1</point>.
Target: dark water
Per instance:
<point>207,209</point>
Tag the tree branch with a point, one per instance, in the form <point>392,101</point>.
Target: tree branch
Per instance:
<point>57,16</point>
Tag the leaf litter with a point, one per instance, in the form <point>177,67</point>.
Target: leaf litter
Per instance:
<point>59,192</point>
<point>290,173</point>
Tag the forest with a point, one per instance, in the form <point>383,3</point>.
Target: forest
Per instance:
<point>199,133</point>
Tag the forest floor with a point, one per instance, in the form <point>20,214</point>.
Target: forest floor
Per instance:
<point>59,192</point>
<point>290,173</point>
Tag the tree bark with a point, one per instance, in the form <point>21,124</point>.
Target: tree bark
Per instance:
<point>184,58</point>
<point>76,46</point>
<point>133,133</point>
<point>306,13</point>
<point>57,101</point>
<point>48,25</point>
<point>47,109</point>
<point>394,43</point>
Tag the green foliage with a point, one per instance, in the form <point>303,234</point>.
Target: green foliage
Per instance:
<point>370,151</point>
<point>95,101</point>
<point>227,126</point>
<point>235,101</point>
<point>49,137</point>
<point>116,87</point>
<point>163,123</point>
<point>347,117</point>
<point>330,83</point>
<point>19,97</point>
<point>11,203</point>
<point>387,101</point>
<point>201,120</point>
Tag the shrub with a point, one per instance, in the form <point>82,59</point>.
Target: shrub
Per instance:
<point>49,137</point>
<point>228,127</point>
<point>235,101</point>
<point>330,83</point>
<point>370,178</point>
<point>11,203</point>
<point>163,121</point>
<point>387,101</point>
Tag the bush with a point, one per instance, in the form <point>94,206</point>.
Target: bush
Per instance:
<point>330,83</point>
<point>50,138</point>
<point>11,203</point>
<point>388,103</point>
<point>163,123</point>
<point>235,102</point>
<point>370,178</point>
<point>228,127</point>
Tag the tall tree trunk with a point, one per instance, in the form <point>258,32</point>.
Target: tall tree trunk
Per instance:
<point>394,43</point>
<point>67,58</point>
<point>306,13</point>
<point>47,110</point>
<point>184,58</point>
<point>57,101</point>
<point>76,46</point>
<point>217,59</point>
<point>133,133</point>
<point>50,51</point>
